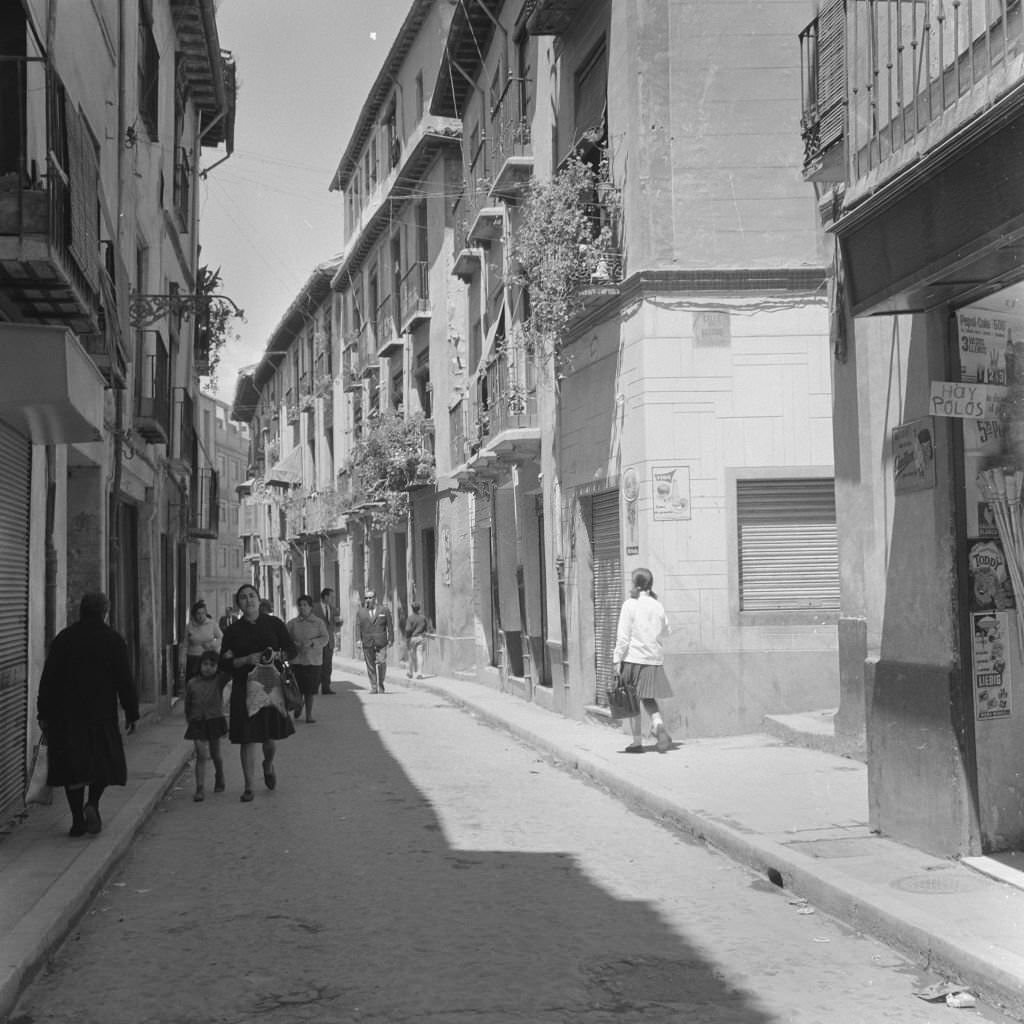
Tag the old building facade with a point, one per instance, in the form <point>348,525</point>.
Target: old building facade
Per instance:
<point>912,121</point>
<point>107,109</point>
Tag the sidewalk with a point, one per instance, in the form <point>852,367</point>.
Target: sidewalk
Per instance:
<point>797,816</point>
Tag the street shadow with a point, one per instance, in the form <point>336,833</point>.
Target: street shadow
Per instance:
<point>338,897</point>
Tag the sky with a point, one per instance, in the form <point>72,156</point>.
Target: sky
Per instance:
<point>266,216</point>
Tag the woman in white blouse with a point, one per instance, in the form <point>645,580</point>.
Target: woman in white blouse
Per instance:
<point>638,657</point>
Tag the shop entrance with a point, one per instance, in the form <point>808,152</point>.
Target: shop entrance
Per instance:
<point>989,335</point>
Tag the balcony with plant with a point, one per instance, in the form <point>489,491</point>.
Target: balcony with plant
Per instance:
<point>567,244</point>
<point>393,456</point>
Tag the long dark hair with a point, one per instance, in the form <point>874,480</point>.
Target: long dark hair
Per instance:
<point>643,580</point>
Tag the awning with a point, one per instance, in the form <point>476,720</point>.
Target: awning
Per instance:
<point>50,390</point>
<point>288,470</point>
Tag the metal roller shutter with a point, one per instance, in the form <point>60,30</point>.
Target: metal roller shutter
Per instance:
<point>603,524</point>
<point>15,466</point>
<point>788,549</point>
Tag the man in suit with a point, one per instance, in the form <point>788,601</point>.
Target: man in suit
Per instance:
<point>324,609</point>
<point>377,634</point>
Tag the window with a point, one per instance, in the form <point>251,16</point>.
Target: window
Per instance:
<point>788,551</point>
<point>419,95</point>
<point>149,72</point>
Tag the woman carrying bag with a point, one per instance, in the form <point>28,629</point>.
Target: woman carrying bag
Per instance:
<point>638,659</point>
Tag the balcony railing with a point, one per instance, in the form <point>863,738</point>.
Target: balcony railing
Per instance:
<point>506,395</point>
<point>49,192</point>
<point>205,510</point>
<point>476,192</point>
<point>153,394</point>
<point>415,295</point>
<point>898,66</point>
<point>386,321</point>
<point>183,442</point>
<point>511,140</point>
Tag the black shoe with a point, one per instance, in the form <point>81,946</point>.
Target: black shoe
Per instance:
<point>328,692</point>
<point>93,822</point>
<point>77,829</point>
<point>634,748</point>
<point>269,776</point>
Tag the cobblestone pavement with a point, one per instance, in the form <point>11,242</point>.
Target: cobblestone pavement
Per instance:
<point>415,865</point>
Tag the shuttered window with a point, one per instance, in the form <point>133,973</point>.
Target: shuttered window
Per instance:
<point>788,552</point>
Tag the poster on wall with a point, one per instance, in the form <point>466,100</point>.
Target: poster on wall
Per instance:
<point>913,455</point>
<point>630,496</point>
<point>991,589</point>
<point>989,643</point>
<point>991,352</point>
<point>671,492</point>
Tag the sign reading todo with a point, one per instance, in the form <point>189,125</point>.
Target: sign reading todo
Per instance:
<point>964,401</point>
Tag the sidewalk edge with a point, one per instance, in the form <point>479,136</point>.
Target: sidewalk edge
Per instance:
<point>997,977</point>
<point>40,932</point>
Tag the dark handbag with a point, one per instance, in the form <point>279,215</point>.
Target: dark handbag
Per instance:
<point>290,689</point>
<point>622,700</point>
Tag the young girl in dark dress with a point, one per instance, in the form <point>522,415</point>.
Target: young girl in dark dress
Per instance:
<point>243,647</point>
<point>204,712</point>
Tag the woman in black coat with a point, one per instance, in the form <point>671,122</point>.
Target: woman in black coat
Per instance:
<point>85,675</point>
<point>242,648</point>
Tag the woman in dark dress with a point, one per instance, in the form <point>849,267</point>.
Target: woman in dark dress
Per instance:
<point>242,648</point>
<point>85,675</point>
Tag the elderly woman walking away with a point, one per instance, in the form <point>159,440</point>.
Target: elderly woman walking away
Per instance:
<point>85,675</point>
<point>256,638</point>
<point>309,634</point>
<point>638,657</point>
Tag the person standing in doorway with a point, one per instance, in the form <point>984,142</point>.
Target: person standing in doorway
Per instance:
<point>377,634</point>
<point>639,659</point>
<point>85,676</point>
<point>324,609</point>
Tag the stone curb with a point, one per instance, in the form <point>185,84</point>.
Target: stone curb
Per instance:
<point>995,975</point>
<point>37,935</point>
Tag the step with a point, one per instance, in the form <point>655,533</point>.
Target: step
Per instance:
<point>814,730</point>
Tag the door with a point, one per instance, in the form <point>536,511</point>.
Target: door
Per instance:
<point>609,591</point>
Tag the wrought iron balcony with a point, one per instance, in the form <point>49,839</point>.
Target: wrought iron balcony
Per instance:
<point>153,394</point>
<point>879,77</point>
<point>49,192</point>
<point>511,139</point>
<point>457,450</point>
<point>506,403</point>
<point>386,321</point>
<point>415,296</point>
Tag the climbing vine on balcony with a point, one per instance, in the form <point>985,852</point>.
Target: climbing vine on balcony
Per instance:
<point>393,456</point>
<point>213,322</point>
<point>565,241</point>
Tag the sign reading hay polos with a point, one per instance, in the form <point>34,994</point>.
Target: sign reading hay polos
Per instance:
<point>964,401</point>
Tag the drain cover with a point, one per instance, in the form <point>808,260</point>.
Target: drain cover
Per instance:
<point>943,883</point>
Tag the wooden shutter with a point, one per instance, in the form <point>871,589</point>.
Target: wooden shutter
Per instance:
<point>831,72</point>
<point>15,454</point>
<point>83,178</point>
<point>609,590</point>
<point>788,550</point>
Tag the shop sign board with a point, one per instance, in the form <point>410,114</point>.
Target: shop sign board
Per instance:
<point>990,632</point>
<point>965,401</point>
<point>671,492</point>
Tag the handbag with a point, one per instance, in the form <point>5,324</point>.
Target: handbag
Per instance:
<point>293,700</point>
<point>39,792</point>
<point>622,700</point>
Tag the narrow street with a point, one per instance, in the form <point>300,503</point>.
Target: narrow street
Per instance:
<point>414,864</point>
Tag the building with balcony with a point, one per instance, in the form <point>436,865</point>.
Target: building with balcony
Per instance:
<point>400,365</point>
<point>292,531</point>
<point>645,334</point>
<point>912,121</point>
<point>98,271</point>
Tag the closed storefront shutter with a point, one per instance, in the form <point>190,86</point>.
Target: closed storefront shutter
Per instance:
<point>788,548</point>
<point>15,454</point>
<point>608,586</point>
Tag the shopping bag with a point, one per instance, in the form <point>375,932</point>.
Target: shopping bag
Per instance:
<point>290,690</point>
<point>39,792</point>
<point>623,701</point>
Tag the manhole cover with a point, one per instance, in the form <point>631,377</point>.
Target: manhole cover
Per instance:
<point>943,883</point>
<point>855,846</point>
